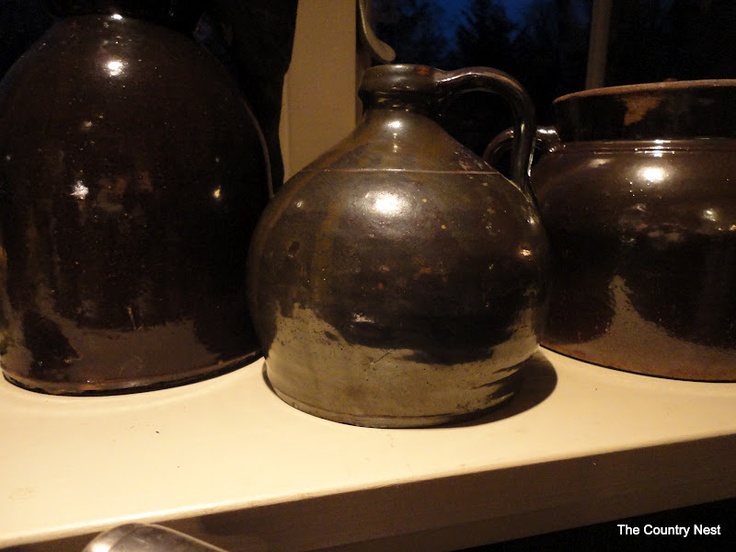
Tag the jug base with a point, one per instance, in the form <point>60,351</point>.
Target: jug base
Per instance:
<point>503,391</point>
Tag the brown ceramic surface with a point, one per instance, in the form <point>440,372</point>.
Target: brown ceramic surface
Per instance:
<point>398,280</point>
<point>655,111</point>
<point>131,177</point>
<point>643,230</point>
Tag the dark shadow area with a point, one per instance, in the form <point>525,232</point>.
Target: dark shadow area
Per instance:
<point>537,380</point>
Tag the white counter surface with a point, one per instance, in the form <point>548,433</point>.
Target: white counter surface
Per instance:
<point>227,461</point>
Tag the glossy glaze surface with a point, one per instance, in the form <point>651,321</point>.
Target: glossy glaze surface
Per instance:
<point>131,177</point>
<point>398,280</point>
<point>643,233</point>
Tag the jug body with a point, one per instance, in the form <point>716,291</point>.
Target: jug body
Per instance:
<point>398,280</point>
<point>639,203</point>
<point>132,174</point>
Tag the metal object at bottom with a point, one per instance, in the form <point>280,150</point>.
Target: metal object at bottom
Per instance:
<point>139,537</point>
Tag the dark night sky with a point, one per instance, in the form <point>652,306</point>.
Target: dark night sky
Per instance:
<point>454,8</point>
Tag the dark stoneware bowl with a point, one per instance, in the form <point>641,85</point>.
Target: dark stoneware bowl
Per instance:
<point>639,201</point>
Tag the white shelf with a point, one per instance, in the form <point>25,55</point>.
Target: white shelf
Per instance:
<point>227,461</point>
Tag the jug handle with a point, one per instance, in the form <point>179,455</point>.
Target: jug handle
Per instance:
<point>546,140</point>
<point>497,82</point>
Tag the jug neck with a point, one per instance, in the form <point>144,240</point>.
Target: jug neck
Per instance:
<point>393,109</point>
<point>401,123</point>
<point>410,88</point>
<point>396,138</point>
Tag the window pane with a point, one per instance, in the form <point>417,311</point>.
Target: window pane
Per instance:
<point>545,44</point>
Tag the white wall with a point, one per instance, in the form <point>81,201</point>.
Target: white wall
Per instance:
<point>319,106</point>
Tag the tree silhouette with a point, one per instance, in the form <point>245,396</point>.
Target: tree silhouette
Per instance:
<point>485,36</point>
<point>551,49</point>
<point>414,29</point>
<point>653,40</point>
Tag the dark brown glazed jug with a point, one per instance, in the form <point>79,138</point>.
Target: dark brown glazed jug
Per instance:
<point>399,280</point>
<point>638,197</point>
<point>132,175</point>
